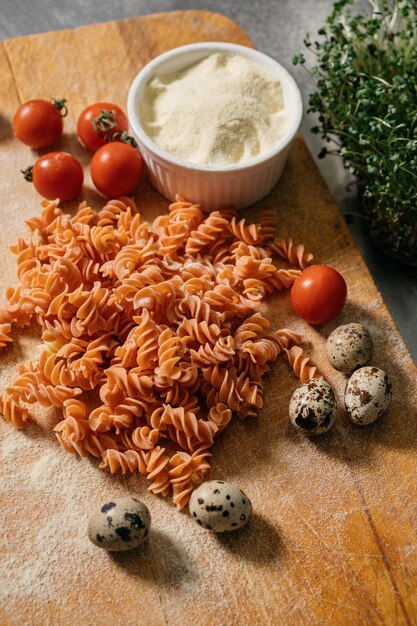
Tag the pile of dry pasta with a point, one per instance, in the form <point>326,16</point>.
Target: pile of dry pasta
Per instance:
<point>161,319</point>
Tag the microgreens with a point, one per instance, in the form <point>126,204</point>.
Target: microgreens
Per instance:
<point>366,101</point>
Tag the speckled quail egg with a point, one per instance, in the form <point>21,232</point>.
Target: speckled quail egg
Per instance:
<point>349,346</point>
<point>313,407</point>
<point>119,525</point>
<point>220,506</point>
<point>368,394</point>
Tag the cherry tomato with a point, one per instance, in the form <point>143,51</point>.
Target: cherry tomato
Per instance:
<point>318,294</point>
<point>38,123</point>
<point>98,123</point>
<point>116,169</point>
<point>56,175</point>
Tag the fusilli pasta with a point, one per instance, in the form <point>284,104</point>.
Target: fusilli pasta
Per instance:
<point>160,320</point>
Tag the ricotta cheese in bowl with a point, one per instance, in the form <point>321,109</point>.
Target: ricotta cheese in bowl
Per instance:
<point>223,109</point>
<point>214,122</point>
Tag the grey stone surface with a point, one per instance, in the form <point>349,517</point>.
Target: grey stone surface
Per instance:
<point>277,28</point>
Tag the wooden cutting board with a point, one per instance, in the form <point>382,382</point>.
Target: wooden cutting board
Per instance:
<point>333,537</point>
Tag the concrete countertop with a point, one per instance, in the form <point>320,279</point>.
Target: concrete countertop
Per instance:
<point>277,28</point>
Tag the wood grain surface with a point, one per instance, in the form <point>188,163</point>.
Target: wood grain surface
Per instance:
<point>333,537</point>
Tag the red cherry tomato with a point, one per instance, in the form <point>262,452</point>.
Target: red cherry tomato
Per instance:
<point>98,123</point>
<point>38,123</point>
<point>56,175</point>
<point>116,169</point>
<point>319,294</point>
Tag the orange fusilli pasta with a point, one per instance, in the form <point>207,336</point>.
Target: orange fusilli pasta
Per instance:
<point>159,320</point>
<point>5,338</point>
<point>300,364</point>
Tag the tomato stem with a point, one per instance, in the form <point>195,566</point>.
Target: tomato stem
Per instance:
<point>105,122</point>
<point>61,106</point>
<point>122,136</point>
<point>27,173</point>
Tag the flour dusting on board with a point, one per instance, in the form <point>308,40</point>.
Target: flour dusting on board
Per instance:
<point>65,489</point>
<point>43,473</point>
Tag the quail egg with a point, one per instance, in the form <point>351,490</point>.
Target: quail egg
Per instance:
<point>349,346</point>
<point>119,525</point>
<point>313,407</point>
<point>368,394</point>
<point>220,506</point>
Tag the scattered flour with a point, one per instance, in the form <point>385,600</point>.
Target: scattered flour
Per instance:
<point>14,445</point>
<point>43,473</point>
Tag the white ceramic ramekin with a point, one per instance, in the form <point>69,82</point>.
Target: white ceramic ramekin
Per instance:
<point>237,184</point>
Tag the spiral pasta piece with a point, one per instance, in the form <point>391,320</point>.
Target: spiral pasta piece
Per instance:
<point>300,364</point>
<point>181,493</point>
<point>111,213</point>
<point>183,218</point>
<point>227,300</point>
<point>101,419</point>
<point>254,289</point>
<point>209,230</point>
<point>148,297</point>
<point>193,307</point>
<point>168,354</point>
<point>183,211</point>
<point>131,258</point>
<point>124,462</point>
<point>198,332</point>
<point>267,221</point>
<point>5,331</point>
<point>107,241</point>
<point>287,250</point>
<point>222,350</point>
<point>240,249</point>
<point>220,415</point>
<point>140,438</point>
<point>250,234</point>
<point>95,310</point>
<point>288,336</point>
<point>188,430</point>
<point>126,292</point>
<point>282,279</point>
<point>249,267</point>
<point>52,395</point>
<point>32,386</point>
<point>85,215</point>
<point>141,346</point>
<point>13,412</point>
<point>75,408</point>
<point>74,434</point>
<point>145,438</point>
<point>251,328</point>
<point>72,430</point>
<point>223,387</point>
<point>60,372</point>
<point>157,471</point>
<point>185,471</point>
<point>174,239</point>
<point>178,395</point>
<point>264,350</point>
<point>122,385</point>
<point>49,213</point>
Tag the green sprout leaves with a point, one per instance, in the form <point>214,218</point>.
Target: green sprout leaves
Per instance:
<point>366,96</point>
